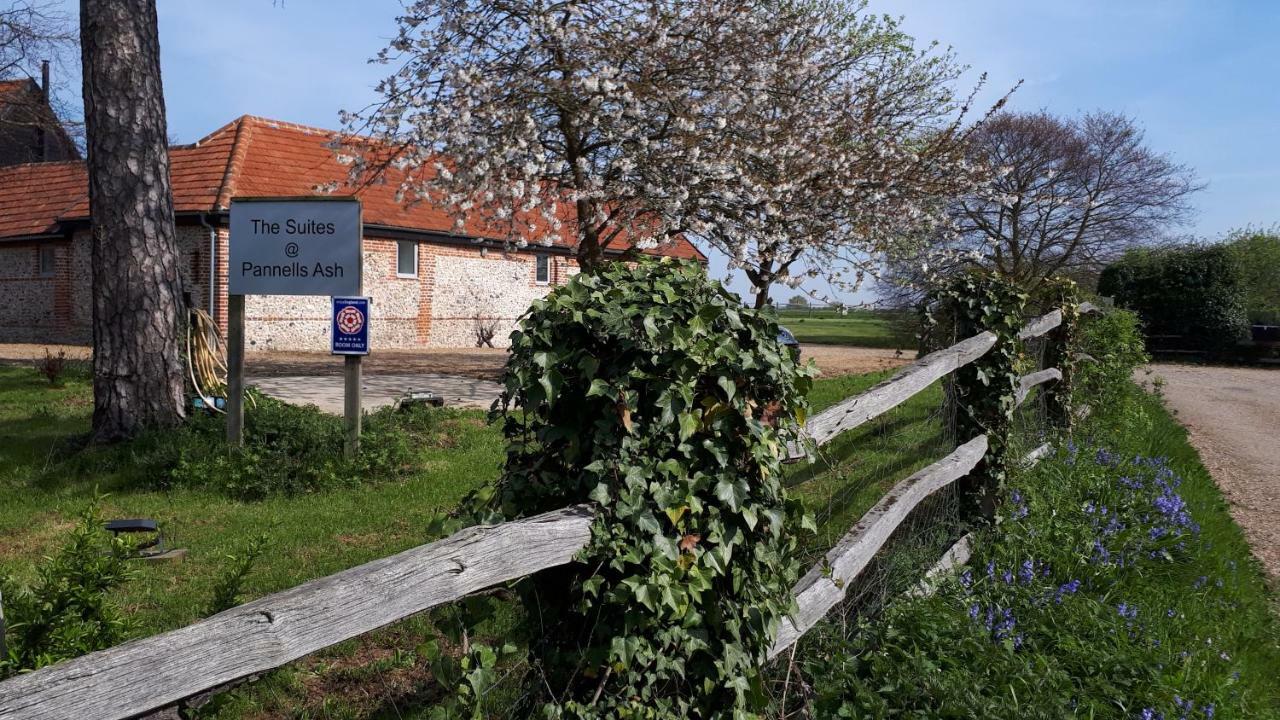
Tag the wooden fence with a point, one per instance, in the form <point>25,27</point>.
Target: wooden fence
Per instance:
<point>152,673</point>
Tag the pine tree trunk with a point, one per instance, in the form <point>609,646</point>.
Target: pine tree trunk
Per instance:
<point>137,300</point>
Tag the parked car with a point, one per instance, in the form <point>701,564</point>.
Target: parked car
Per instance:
<point>786,338</point>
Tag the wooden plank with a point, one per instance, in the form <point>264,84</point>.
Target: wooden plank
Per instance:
<point>1035,456</point>
<point>891,393</point>
<point>955,556</point>
<point>352,410</point>
<point>1030,380</point>
<point>153,672</point>
<point>1041,325</point>
<point>823,587</point>
<point>235,370</point>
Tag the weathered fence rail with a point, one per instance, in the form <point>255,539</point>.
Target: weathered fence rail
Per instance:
<point>823,587</point>
<point>155,672</point>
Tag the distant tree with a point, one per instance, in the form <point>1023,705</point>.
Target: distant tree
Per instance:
<point>1257,254</point>
<point>798,301</point>
<point>1068,196</point>
<point>137,300</point>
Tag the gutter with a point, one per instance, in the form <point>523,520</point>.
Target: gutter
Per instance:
<point>213,266</point>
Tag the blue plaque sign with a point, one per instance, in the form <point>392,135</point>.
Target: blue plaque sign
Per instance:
<point>350,331</point>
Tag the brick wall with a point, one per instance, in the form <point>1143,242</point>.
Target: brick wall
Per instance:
<point>455,288</point>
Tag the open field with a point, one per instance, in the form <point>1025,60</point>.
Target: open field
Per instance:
<point>862,328</point>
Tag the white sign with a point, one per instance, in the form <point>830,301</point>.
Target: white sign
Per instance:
<point>294,247</point>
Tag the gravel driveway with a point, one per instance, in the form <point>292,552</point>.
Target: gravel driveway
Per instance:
<point>1233,415</point>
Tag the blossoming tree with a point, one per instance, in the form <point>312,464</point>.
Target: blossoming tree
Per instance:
<point>589,119</point>
<point>849,155</point>
<point>772,130</point>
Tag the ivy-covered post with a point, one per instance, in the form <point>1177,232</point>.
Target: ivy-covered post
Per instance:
<point>648,390</point>
<point>983,393</point>
<point>1060,351</point>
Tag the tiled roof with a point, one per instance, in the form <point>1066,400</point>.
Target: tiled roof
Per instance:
<point>248,157</point>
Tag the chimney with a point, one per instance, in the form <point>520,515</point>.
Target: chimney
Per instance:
<point>44,89</point>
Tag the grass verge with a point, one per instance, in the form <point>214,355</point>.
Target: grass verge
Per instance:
<point>1115,586</point>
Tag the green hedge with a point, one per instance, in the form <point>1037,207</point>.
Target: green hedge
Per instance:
<point>1191,292</point>
<point>1257,253</point>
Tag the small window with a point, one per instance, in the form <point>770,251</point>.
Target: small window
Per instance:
<point>543,276</point>
<point>406,259</point>
<point>48,261</point>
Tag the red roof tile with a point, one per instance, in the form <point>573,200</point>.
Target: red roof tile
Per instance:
<point>248,157</point>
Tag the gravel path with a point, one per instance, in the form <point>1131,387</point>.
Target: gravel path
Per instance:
<point>1233,415</point>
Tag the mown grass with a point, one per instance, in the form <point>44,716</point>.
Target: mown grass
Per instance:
<point>862,328</point>
<point>308,535</point>
<point>315,534</point>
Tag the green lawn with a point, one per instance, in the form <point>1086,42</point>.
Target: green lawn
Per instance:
<point>307,536</point>
<point>312,535</point>
<point>863,328</point>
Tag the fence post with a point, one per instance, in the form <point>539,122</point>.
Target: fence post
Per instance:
<point>1060,345</point>
<point>983,394</point>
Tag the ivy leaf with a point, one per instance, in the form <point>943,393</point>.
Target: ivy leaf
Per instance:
<point>688,425</point>
<point>729,386</point>
<point>689,542</point>
<point>731,492</point>
<point>674,514</point>
<point>600,493</point>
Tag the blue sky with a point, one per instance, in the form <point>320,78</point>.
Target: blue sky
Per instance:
<point>1202,77</point>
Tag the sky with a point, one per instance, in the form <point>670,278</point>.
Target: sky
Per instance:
<point>1200,76</point>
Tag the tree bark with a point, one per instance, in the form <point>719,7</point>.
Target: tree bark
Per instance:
<point>137,295</point>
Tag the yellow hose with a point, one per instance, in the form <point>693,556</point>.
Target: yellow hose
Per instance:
<point>207,359</point>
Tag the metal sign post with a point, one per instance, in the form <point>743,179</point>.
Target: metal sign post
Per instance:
<point>292,246</point>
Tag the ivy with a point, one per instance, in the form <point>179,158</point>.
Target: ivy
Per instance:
<point>981,394</point>
<point>649,390</point>
<point>1060,350</point>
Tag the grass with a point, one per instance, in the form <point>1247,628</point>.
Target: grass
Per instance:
<point>308,535</point>
<point>862,328</point>
<point>313,535</point>
<point>1184,627</point>
<point>385,673</point>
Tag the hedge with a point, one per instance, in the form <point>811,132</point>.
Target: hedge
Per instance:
<point>1191,292</point>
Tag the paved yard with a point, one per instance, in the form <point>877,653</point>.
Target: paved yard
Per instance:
<point>465,376</point>
<point>1233,415</point>
<point>325,391</point>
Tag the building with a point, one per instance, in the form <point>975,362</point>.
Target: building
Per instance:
<point>29,128</point>
<point>430,287</point>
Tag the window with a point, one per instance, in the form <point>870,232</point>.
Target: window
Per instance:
<point>543,276</point>
<point>406,259</point>
<point>48,261</point>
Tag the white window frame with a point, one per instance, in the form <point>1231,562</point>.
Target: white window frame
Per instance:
<point>538,260</point>
<point>400,246</point>
<point>53,261</point>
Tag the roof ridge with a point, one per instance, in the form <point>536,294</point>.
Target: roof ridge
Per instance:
<point>235,123</point>
<point>235,159</point>
<point>286,125</point>
<point>42,163</point>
